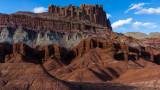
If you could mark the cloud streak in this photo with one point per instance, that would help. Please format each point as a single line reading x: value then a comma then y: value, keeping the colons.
x: 135, y: 6
x: 149, y: 11
x: 40, y: 9
x: 137, y: 25
x: 109, y: 15
x: 141, y: 10
x: 120, y: 23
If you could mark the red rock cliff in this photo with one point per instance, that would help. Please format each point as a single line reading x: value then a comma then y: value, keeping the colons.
x: 94, y: 13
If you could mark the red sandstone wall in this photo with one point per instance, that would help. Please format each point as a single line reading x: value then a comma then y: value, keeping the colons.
x: 94, y: 13
x: 39, y: 24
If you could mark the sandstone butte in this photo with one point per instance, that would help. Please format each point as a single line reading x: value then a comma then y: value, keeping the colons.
x: 73, y: 48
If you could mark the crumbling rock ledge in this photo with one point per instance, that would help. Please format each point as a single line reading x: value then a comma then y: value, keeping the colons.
x: 118, y: 50
x: 94, y: 14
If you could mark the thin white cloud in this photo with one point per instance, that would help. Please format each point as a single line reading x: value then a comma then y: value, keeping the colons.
x: 149, y: 11
x: 109, y: 15
x: 135, y: 6
x: 142, y: 10
x: 120, y: 23
x: 40, y: 9
x: 137, y: 25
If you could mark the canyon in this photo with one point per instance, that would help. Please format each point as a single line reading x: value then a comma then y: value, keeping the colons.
x: 70, y: 48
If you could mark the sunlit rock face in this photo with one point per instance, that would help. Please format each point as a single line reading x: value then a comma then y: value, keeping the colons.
x: 68, y: 40
x: 6, y: 35
x: 42, y: 38
x: 72, y: 39
x: 20, y: 35
x: 48, y: 37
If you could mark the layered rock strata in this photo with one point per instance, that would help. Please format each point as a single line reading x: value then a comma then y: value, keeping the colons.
x: 56, y: 19
x: 117, y: 50
x: 53, y: 27
x: 94, y: 13
x: 43, y: 38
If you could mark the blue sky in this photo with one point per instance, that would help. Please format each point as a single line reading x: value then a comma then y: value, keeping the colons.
x: 126, y: 15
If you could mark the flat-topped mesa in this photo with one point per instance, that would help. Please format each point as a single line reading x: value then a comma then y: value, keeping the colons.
x: 94, y: 14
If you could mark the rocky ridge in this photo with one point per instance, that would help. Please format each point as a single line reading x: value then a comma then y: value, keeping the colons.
x: 70, y: 48
x: 151, y: 39
x: 94, y: 13
x: 54, y: 26
x: 142, y: 36
x: 33, y: 39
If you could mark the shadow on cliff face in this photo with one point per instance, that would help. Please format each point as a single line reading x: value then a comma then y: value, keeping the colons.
x: 157, y: 59
x: 71, y: 56
x: 19, y: 52
x: 117, y: 50
x: 103, y: 76
x: 57, y: 54
x: 5, y: 49
x: 119, y: 56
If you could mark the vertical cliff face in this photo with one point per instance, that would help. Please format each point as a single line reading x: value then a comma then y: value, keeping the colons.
x: 62, y: 19
x: 42, y: 38
x: 63, y: 26
x: 115, y: 49
x: 6, y: 35
x: 11, y: 36
x: 94, y: 14
x: 48, y: 21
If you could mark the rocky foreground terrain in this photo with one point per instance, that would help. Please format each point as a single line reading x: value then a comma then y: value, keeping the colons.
x: 73, y: 48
